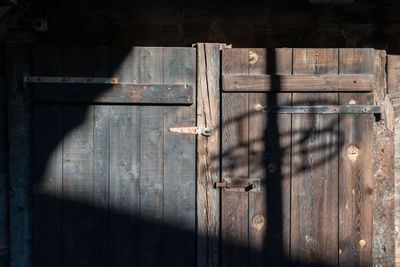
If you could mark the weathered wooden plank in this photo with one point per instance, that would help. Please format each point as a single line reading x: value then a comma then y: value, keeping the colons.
x: 20, y: 137
x: 77, y: 217
x: 355, y: 167
x: 77, y: 186
x: 385, y: 237
x: 208, y: 115
x: 4, y: 195
x: 328, y: 109
x: 297, y: 83
x: 179, y: 165
x: 393, y: 83
x: 101, y: 170
x: 47, y: 169
x: 114, y: 93
x: 393, y: 75
x: 125, y: 147
x: 314, y: 209
x: 150, y: 65
x: 269, y: 159
x: 234, y: 221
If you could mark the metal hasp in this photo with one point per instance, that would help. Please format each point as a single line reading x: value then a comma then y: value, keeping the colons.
x: 240, y: 184
x: 345, y: 109
x: 192, y: 130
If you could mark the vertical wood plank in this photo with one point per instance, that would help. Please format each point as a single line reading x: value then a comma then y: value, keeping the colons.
x: 269, y: 159
x: 393, y: 82
x: 208, y: 115
x: 47, y: 167
x: 355, y: 166
x: 125, y: 128
x: 179, y: 165
x: 20, y: 137
x: 4, y: 195
x: 314, y: 215
x: 234, y: 224
x: 101, y: 158
x: 152, y: 161
x: 77, y: 169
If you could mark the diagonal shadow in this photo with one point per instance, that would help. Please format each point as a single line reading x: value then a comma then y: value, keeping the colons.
x: 165, y: 239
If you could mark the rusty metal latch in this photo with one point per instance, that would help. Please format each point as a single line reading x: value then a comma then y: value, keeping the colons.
x: 192, y: 130
x: 240, y: 184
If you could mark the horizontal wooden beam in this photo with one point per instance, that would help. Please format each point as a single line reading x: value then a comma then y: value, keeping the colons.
x: 162, y: 94
x: 345, y: 109
x: 297, y: 83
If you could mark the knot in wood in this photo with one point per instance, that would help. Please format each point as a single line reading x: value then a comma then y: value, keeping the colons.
x: 352, y: 153
x: 258, y: 221
x: 253, y: 57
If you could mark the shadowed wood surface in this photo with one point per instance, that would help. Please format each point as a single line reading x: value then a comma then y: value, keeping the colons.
x: 113, y: 186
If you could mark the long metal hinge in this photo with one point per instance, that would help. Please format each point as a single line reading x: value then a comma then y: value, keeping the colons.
x: 192, y: 130
x: 240, y: 184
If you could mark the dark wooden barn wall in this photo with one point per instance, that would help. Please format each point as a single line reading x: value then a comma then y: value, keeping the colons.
x: 20, y: 176
x: 111, y: 184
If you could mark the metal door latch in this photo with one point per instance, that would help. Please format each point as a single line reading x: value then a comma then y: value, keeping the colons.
x: 192, y: 130
x: 240, y: 184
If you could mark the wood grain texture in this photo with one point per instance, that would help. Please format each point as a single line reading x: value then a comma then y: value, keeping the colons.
x: 234, y: 221
x: 124, y: 163
x: 355, y: 173
x: 208, y: 153
x: 296, y: 83
x: 393, y: 75
x: 101, y: 168
x: 150, y: 65
x: 20, y: 139
x: 47, y: 170
x: 77, y: 191
x: 179, y: 165
x: 147, y: 93
x: 314, y: 215
x: 269, y: 159
x: 385, y: 238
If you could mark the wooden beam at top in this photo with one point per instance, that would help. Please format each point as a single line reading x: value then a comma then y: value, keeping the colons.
x: 297, y: 83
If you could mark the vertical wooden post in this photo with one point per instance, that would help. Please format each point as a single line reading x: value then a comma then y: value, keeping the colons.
x: 19, y: 122
x: 383, y: 227
x: 4, y: 227
x: 393, y: 76
x: 208, y: 115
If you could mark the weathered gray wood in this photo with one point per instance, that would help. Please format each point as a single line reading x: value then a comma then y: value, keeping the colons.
x: 314, y: 209
x: 101, y: 168
x: 125, y: 163
x: 328, y: 109
x: 385, y: 237
x: 269, y: 159
x: 20, y: 137
x: 150, y: 67
x: 114, y: 93
x: 77, y: 217
x: 208, y: 115
x: 4, y: 205
x: 355, y: 167
x: 47, y: 169
x: 179, y: 165
x: 234, y: 221
x: 393, y: 83
x: 297, y: 83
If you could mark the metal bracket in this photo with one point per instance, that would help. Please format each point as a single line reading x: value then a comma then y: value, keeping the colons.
x: 192, y: 130
x: 345, y: 109
x: 240, y: 184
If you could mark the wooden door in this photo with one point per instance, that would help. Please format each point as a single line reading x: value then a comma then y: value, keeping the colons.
x: 112, y: 186
x: 313, y: 204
